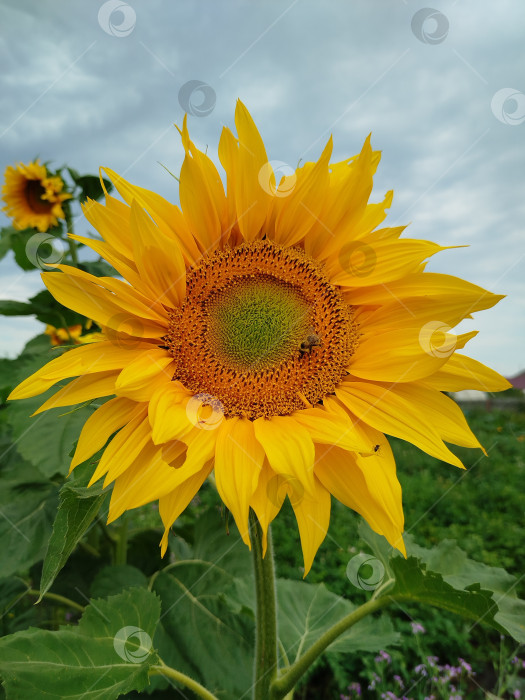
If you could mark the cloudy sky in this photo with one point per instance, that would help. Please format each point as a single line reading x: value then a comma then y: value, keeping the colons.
x: 92, y: 83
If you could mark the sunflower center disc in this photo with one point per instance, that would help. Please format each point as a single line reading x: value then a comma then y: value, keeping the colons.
x: 257, y: 322
x: 262, y: 330
x: 34, y: 192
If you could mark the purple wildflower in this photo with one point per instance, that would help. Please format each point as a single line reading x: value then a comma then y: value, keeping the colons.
x: 417, y: 628
x: 399, y: 681
x: 465, y: 665
x: 383, y: 656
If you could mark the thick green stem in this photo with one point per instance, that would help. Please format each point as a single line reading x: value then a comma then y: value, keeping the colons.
x: 57, y: 599
x: 283, y: 685
x: 121, y: 553
x: 266, y: 630
x: 186, y: 681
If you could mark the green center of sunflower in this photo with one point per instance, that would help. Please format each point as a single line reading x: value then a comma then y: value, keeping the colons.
x: 34, y: 194
x: 258, y: 322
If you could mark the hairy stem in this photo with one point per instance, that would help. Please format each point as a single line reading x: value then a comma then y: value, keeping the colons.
x: 266, y: 628
x: 283, y: 685
x: 168, y: 672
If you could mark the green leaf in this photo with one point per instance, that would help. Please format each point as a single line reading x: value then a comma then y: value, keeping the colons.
x: 5, y: 241
x: 28, y: 504
x: 98, y: 268
x: 204, y: 629
x: 446, y: 578
x: 15, y: 308
x: 414, y: 583
x: 46, y: 309
x: 108, y: 654
x: 78, y: 507
x: 113, y: 579
x: 306, y: 611
x: 200, y: 635
x: 90, y: 185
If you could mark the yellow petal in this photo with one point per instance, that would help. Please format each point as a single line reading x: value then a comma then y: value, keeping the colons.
x: 268, y: 498
x: 403, y: 355
x: 389, y: 412
x: 338, y: 472
x: 327, y: 428
x: 88, y: 359
x: 298, y: 212
x: 363, y: 264
x: 101, y: 425
x: 313, y: 518
x: 201, y: 449
x: 172, y: 505
x: 427, y: 285
x: 123, y: 449
x: 202, y: 195
x: 167, y: 413
x: 238, y: 462
x: 89, y: 299
x: 158, y: 258
x: 112, y: 222
x: 91, y: 386
x: 461, y: 372
x: 142, y: 376
x: 146, y: 480
x: 245, y: 162
x: 289, y: 449
x: 167, y: 216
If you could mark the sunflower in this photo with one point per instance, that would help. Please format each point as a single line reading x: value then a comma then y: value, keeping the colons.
x: 72, y: 335
x: 273, y: 334
x: 33, y: 198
